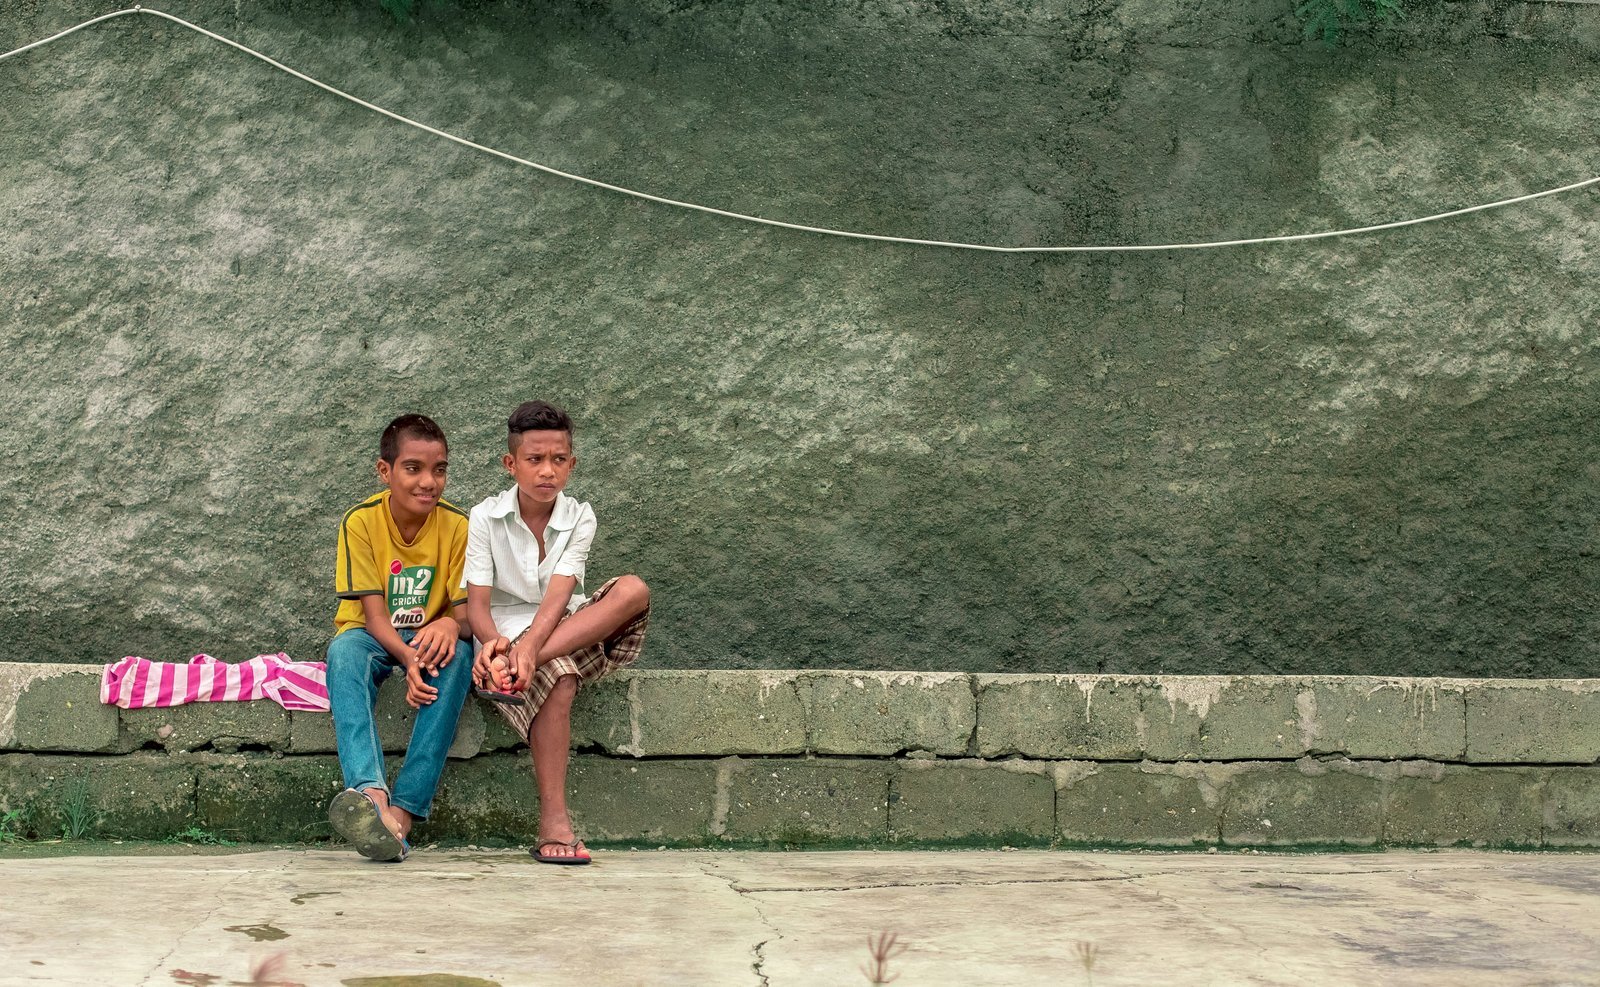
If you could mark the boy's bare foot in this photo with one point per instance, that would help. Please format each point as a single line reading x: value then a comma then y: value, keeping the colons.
x: 396, y: 819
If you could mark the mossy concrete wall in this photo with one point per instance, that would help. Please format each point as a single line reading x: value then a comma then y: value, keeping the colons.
x: 1369, y: 455
x: 849, y: 758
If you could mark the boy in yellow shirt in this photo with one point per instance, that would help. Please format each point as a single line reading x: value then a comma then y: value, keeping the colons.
x: 400, y: 560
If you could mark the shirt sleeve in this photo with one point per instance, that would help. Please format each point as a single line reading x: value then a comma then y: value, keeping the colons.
x: 458, y: 561
x: 576, y: 555
x: 356, y: 569
x: 479, y: 567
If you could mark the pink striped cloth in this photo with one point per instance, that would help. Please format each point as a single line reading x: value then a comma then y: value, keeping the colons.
x: 133, y: 683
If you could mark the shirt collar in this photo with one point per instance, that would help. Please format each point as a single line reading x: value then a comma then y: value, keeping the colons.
x: 563, y: 518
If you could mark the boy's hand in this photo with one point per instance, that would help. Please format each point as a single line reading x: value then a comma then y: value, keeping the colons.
x: 482, y: 672
x: 436, y: 644
x: 521, y: 662
x: 418, y: 692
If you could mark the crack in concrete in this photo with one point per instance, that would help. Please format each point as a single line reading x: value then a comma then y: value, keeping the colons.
x: 758, y: 951
x: 208, y: 916
x: 942, y: 884
x: 1444, y: 889
x: 1073, y: 880
x: 761, y: 960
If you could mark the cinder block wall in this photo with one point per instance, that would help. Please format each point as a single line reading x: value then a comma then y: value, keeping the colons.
x: 847, y: 758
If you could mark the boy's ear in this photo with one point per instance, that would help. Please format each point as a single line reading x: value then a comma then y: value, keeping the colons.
x: 383, y: 470
x: 507, y: 460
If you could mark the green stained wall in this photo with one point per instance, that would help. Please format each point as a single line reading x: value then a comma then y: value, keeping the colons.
x: 1367, y: 455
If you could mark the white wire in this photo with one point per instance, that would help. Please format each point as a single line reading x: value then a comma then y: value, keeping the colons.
x: 1129, y: 248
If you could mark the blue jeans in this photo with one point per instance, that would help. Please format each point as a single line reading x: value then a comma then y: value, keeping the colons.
x: 357, y: 664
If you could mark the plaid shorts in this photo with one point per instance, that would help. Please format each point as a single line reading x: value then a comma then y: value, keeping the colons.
x: 589, y: 664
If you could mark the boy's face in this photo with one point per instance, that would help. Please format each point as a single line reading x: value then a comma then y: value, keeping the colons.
x: 541, y: 464
x: 416, y: 477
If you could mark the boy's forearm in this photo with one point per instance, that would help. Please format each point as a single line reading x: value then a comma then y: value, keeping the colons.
x: 387, y: 636
x: 463, y: 621
x: 481, y: 621
x: 551, y: 609
x: 382, y: 631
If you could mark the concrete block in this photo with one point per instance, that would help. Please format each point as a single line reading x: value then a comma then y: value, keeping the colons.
x: 1456, y: 805
x: 601, y: 715
x: 720, y: 712
x: 1365, y: 717
x: 225, y: 727
x: 137, y: 796
x: 807, y: 802
x: 1172, y: 711
x: 54, y: 707
x: 264, y: 799
x: 1145, y: 804
x: 1572, y: 807
x: 1533, y: 721
x: 1308, y: 803
x: 1253, y: 717
x: 488, y: 799
x: 885, y: 713
x: 492, y: 798
x: 470, y: 730
x: 498, y: 734
x: 645, y: 801
x: 972, y: 801
x: 1060, y: 716
x: 311, y: 733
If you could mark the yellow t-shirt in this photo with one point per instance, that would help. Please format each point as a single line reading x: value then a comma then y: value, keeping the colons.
x: 421, y: 579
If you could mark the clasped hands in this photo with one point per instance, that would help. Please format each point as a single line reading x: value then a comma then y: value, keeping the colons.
x: 505, y: 666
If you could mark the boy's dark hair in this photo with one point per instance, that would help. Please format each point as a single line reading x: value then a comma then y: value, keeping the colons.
x: 536, y: 416
x: 409, y: 427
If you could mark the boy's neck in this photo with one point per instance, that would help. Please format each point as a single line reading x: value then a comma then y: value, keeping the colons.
x: 534, y: 514
x: 408, y: 526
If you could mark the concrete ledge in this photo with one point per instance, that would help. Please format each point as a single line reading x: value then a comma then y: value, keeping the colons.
x: 843, y: 758
x: 55, y: 707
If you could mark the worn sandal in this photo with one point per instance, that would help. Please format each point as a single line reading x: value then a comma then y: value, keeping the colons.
x: 357, y: 818
x: 573, y: 861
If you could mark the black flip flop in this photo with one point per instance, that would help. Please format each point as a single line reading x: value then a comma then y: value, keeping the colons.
x: 356, y: 818
x: 503, y: 698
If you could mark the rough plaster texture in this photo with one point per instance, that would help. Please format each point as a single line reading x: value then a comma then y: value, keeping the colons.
x: 1366, y: 456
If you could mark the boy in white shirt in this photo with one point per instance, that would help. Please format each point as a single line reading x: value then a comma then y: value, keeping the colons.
x: 538, y: 636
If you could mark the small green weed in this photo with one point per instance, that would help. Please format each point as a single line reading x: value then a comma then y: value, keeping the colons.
x: 13, y: 828
x: 195, y: 836
x: 78, y: 816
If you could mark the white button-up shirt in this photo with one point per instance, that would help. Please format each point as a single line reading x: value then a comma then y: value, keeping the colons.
x: 503, y: 555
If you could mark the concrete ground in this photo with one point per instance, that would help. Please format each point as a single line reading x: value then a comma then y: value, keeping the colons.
x: 471, y: 917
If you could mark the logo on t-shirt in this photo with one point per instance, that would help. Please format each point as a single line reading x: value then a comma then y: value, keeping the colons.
x: 408, y: 594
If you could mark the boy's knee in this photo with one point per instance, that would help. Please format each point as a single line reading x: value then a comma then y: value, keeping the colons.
x: 564, y: 690
x: 635, y: 589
